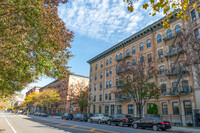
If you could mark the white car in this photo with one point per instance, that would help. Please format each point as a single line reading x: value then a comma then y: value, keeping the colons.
x: 99, y: 118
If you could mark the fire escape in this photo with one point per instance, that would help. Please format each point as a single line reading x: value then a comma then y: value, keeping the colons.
x: 119, y: 70
x: 177, y: 69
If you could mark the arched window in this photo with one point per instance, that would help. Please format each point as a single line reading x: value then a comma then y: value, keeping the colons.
x: 127, y: 52
x: 120, y: 55
x: 159, y: 38
x: 116, y: 57
x: 148, y: 43
x: 110, y: 60
x: 133, y: 50
x: 178, y: 28
x: 169, y: 33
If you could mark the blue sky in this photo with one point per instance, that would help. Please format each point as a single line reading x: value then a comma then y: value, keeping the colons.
x: 98, y: 25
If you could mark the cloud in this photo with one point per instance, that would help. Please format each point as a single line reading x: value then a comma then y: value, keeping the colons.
x: 107, y: 20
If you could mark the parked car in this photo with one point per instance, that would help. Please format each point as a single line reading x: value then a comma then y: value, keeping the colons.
x: 43, y: 115
x: 67, y: 116
x: 120, y: 120
x: 99, y: 118
x: 80, y: 117
x: 154, y: 123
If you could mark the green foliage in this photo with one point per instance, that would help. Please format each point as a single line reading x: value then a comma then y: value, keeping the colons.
x: 153, y: 109
x: 33, y: 42
x: 166, y: 7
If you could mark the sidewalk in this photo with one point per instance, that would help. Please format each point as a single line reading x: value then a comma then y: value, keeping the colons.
x: 55, y: 117
x: 185, y: 129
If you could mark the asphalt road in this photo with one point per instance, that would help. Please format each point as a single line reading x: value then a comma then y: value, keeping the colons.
x: 22, y: 124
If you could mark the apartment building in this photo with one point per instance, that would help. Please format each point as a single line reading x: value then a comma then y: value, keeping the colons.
x: 65, y: 87
x: 159, y: 45
x: 34, y: 89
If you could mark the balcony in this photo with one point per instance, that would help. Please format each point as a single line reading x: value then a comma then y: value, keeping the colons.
x: 124, y: 57
x: 174, y: 53
x: 181, y: 91
x: 166, y: 38
x: 176, y: 71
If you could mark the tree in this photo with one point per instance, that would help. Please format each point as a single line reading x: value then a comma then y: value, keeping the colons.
x: 33, y: 42
x: 31, y: 99
x: 48, y: 98
x: 153, y: 109
x: 79, y: 95
x: 135, y: 83
x: 167, y: 7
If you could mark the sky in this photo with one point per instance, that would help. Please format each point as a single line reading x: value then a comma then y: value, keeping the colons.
x: 97, y: 26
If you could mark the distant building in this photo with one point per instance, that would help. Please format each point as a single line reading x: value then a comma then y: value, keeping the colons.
x: 64, y: 88
x: 34, y: 89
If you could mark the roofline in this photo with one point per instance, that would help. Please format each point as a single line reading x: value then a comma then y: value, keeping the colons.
x: 138, y: 35
x: 80, y: 76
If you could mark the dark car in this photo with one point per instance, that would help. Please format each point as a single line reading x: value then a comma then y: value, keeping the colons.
x: 154, y: 123
x: 120, y: 120
x: 43, y: 115
x: 67, y: 116
x: 80, y: 117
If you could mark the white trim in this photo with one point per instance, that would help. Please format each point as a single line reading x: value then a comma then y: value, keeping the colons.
x: 174, y: 101
x: 148, y: 53
x: 180, y: 24
x: 159, y: 48
x: 163, y: 83
x: 163, y: 64
x: 158, y: 33
x: 168, y: 29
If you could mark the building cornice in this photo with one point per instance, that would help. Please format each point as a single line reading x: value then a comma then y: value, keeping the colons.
x: 137, y: 36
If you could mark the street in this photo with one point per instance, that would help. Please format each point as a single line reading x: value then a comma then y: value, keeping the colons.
x: 22, y: 124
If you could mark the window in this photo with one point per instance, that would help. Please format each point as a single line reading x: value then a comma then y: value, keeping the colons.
x: 185, y: 86
x: 100, y: 97
x: 148, y: 106
x: 128, y: 65
x: 111, y: 71
x: 116, y: 57
x: 175, y: 88
x: 110, y: 60
x: 130, y: 109
x: 142, y: 60
x: 109, y: 96
x: 99, y: 109
x: 159, y: 38
x: 141, y: 46
x: 110, y: 83
x: 101, y: 64
x: 177, y: 28
x: 91, y: 69
x: 119, y: 109
x: 90, y: 88
x: 94, y: 109
x: 134, y: 62
x: 95, y: 76
x: 101, y: 85
x: 120, y: 55
x: 94, y: 98
x: 175, y: 108
x: 106, y: 96
x: 150, y: 74
x: 188, y: 107
x: 169, y: 34
x: 163, y: 89
x: 106, y: 109
x: 112, y: 109
x: 160, y: 53
x: 127, y: 52
x: 96, y: 67
x: 107, y: 73
x: 149, y: 57
x: 133, y: 50
x: 148, y: 43
x: 196, y: 33
x: 91, y: 79
x: 164, y: 109
x: 107, y: 62
x: 106, y: 84
x: 95, y: 87
x: 101, y: 75
x: 193, y: 15
x: 162, y: 71
x: 199, y: 12
x: 117, y: 69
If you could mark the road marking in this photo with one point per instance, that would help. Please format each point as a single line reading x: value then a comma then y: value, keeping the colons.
x: 9, y: 124
x: 74, y: 126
